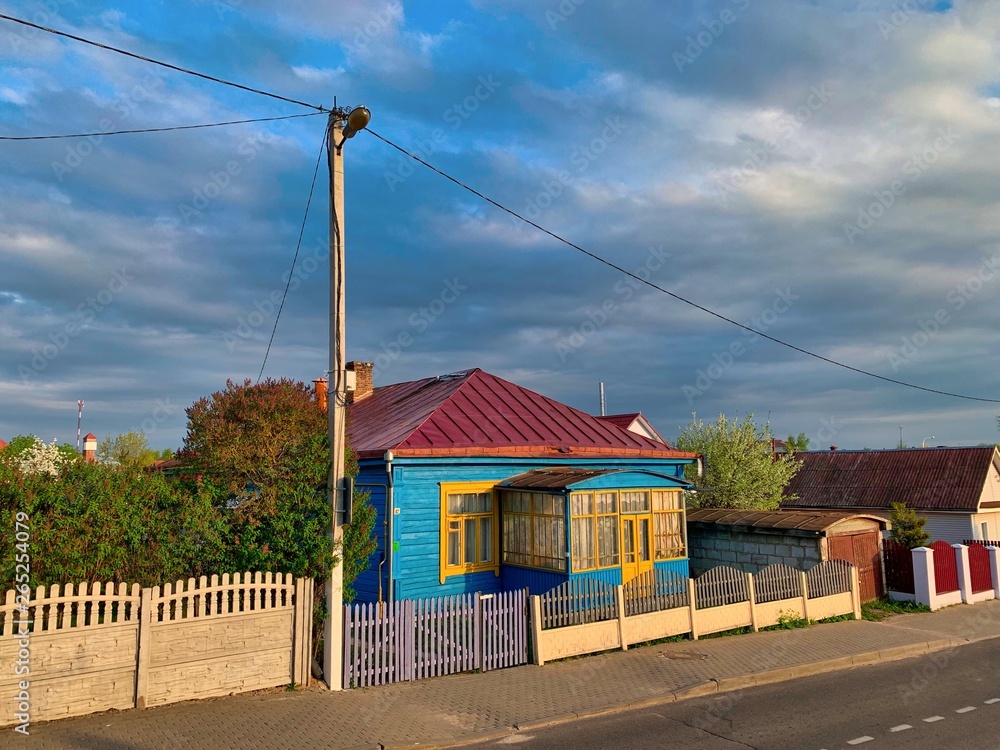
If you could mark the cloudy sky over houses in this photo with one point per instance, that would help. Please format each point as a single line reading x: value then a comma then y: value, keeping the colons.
x: 823, y: 172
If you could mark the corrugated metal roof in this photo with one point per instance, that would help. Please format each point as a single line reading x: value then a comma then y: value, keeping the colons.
x: 620, y: 420
x: 943, y: 479
x: 556, y: 478
x: 475, y: 413
x: 775, y: 519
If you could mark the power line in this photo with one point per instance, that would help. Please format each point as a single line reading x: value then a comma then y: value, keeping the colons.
x: 151, y: 130
x: 295, y: 257
x: 161, y: 63
x: 677, y: 297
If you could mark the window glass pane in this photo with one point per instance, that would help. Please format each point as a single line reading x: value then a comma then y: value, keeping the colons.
x: 666, y: 500
x: 584, y: 551
x: 669, y: 535
x: 635, y: 502
x: 607, y: 502
x: 454, y: 504
x: 454, y: 546
x: 470, y: 541
x: 582, y: 504
x: 607, y: 541
x: 559, y: 505
x: 486, y: 540
x: 644, y: 539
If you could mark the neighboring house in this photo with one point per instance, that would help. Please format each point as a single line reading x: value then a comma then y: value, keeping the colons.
x: 3, y: 444
x: 482, y: 485
x: 956, y: 489
x: 634, y: 422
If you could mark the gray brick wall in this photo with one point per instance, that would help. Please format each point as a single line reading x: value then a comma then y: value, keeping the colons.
x: 710, y: 548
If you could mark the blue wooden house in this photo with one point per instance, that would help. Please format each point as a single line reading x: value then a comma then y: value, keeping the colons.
x: 482, y: 485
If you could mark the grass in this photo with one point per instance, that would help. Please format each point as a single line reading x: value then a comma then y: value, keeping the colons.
x: 879, y: 609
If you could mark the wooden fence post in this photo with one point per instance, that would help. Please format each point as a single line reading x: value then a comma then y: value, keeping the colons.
x: 692, y: 609
x: 752, y: 593
x: 620, y: 609
x: 147, y: 602
x: 535, y: 614
x: 805, y: 596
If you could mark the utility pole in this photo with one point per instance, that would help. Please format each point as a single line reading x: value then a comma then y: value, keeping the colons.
x: 333, y: 631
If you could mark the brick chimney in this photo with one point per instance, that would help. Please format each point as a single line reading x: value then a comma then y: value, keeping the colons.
x: 90, y: 448
x: 362, y: 380
x: 319, y: 388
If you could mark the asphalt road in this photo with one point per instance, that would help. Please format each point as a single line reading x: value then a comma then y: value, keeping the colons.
x: 944, y: 701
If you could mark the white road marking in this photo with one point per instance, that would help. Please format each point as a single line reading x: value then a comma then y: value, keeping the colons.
x: 965, y: 710
x: 991, y: 701
x: 859, y: 740
x: 901, y: 728
x: 931, y: 719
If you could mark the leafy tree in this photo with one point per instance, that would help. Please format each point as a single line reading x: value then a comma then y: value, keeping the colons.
x: 128, y: 449
x: 908, y: 527
x: 740, y: 470
x: 21, y: 443
x: 797, y: 443
x: 31, y: 455
x: 95, y: 522
x: 262, y: 451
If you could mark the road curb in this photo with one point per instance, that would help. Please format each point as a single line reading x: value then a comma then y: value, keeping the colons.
x: 702, y: 689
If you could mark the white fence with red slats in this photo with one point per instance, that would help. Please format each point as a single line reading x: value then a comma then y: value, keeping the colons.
x: 415, y: 639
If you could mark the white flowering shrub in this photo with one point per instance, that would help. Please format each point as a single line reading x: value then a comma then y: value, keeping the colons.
x: 40, y: 459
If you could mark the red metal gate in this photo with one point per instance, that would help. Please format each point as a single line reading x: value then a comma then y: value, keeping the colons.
x: 979, y: 568
x: 945, y: 567
x: 862, y: 551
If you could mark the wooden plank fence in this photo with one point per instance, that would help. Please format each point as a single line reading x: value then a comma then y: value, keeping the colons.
x: 577, y: 602
x: 415, y: 639
x: 898, y: 567
x: 658, y: 605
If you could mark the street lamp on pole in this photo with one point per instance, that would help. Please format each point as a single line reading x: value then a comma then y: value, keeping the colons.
x: 923, y: 443
x: 343, y: 123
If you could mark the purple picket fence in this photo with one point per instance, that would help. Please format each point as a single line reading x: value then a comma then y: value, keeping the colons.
x: 413, y: 639
x: 945, y: 567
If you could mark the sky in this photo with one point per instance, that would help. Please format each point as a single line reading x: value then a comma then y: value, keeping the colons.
x: 823, y: 172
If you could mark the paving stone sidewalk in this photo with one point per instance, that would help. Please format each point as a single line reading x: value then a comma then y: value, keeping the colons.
x: 470, y: 706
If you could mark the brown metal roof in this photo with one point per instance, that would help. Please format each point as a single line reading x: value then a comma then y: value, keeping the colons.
x: 776, y: 519
x: 942, y: 479
x: 556, y: 478
x: 474, y: 413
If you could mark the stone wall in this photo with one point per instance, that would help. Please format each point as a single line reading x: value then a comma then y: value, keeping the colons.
x: 750, y: 551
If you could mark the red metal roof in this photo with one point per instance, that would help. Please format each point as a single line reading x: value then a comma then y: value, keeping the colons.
x: 474, y: 413
x: 620, y: 420
x: 943, y: 479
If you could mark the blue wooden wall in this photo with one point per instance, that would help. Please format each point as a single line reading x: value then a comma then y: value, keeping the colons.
x: 417, y: 526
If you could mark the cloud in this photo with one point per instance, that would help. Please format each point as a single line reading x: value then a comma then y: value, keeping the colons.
x: 740, y: 167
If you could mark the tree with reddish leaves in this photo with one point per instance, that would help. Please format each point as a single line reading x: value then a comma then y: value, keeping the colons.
x: 262, y: 450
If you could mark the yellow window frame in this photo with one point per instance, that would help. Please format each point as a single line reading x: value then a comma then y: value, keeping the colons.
x: 592, y: 519
x: 679, y: 511
x: 455, y: 488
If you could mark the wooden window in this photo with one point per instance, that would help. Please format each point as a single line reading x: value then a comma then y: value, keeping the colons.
x: 668, y: 525
x: 468, y: 529
x: 595, y: 530
x: 534, y: 530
